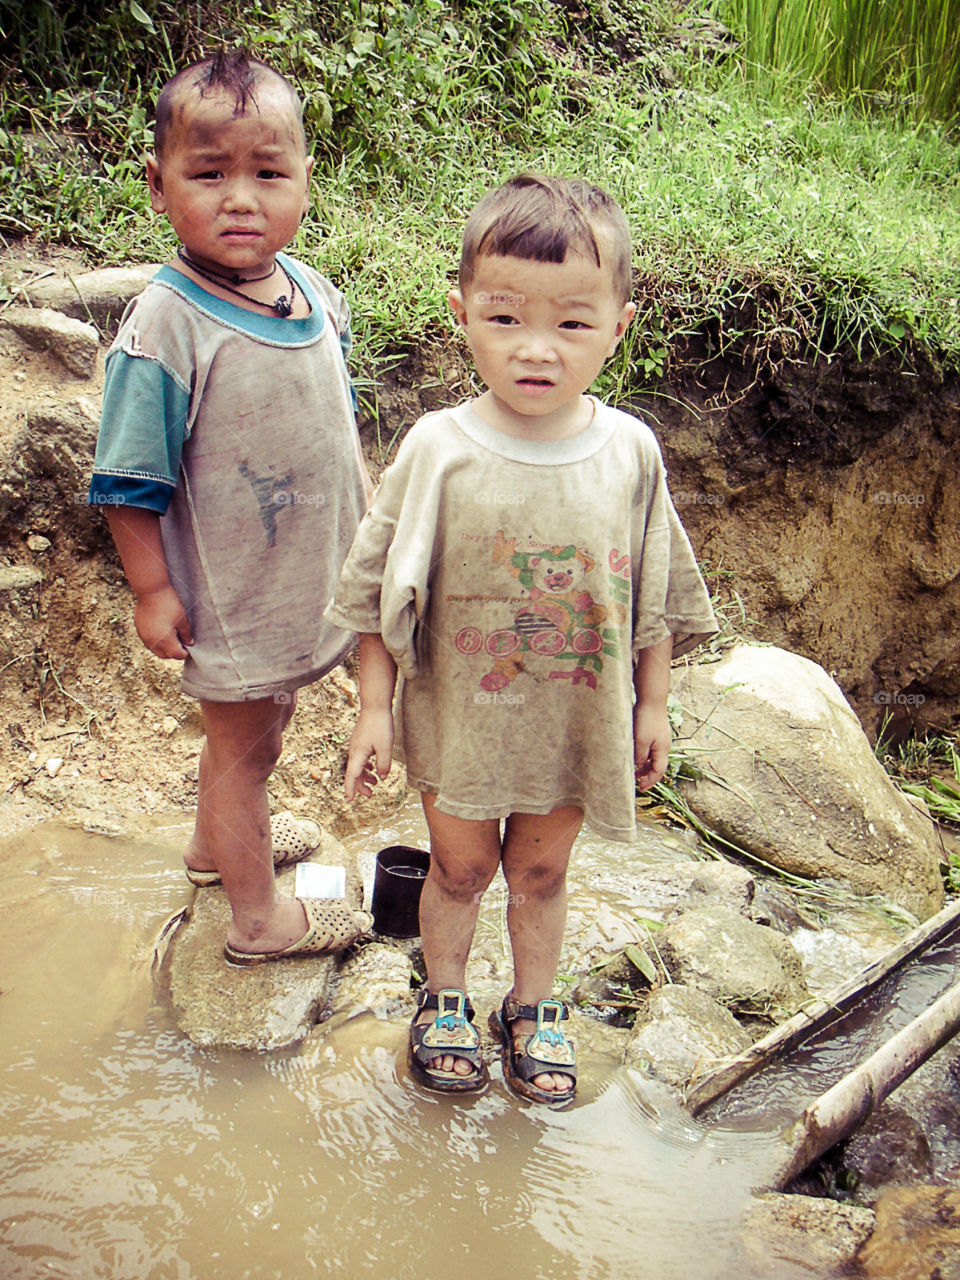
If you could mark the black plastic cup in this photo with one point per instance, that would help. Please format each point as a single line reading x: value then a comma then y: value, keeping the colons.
x: 397, y: 885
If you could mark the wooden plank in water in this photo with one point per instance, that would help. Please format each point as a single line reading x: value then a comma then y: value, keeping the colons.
x: 836, y: 1113
x: 818, y: 1013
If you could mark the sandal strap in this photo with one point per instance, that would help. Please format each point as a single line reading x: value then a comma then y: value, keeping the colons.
x: 431, y: 1000
x: 512, y: 1009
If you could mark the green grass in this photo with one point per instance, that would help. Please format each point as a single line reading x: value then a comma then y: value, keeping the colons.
x: 897, y: 56
x: 928, y: 767
x: 775, y: 229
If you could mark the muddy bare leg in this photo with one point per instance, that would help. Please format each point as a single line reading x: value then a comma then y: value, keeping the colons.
x: 243, y: 744
x: 464, y: 856
x: 536, y: 853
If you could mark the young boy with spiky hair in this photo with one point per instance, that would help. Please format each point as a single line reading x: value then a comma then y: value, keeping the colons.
x: 230, y: 469
x: 524, y: 568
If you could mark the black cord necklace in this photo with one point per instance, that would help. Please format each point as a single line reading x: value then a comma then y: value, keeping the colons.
x: 282, y: 306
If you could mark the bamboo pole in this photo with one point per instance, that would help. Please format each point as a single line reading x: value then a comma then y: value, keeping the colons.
x: 836, y: 1113
x: 818, y: 1013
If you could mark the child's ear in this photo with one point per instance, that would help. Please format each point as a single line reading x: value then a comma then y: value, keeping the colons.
x: 155, y: 184
x: 626, y: 315
x: 308, y: 165
x: 455, y: 299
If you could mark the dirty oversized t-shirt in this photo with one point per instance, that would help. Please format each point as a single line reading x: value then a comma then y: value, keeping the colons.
x: 514, y: 581
x: 238, y: 430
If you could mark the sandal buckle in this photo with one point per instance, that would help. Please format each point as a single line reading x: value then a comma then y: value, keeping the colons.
x: 451, y: 1010
x: 550, y: 1013
x: 451, y: 1028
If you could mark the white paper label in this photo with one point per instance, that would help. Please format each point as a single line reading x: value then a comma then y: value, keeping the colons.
x: 315, y: 881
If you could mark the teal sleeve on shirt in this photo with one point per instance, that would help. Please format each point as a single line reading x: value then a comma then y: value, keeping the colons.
x: 346, y: 346
x: 143, y: 425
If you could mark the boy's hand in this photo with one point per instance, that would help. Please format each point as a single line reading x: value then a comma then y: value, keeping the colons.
x: 370, y: 752
x: 162, y: 623
x: 651, y: 744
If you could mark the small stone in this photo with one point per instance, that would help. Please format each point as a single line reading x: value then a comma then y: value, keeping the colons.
x: 88, y: 408
x: 73, y: 342
x: 19, y: 577
x: 54, y: 765
x: 169, y: 725
x: 37, y: 542
x: 317, y: 772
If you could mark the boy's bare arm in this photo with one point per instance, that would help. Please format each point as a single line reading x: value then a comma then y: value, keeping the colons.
x: 651, y: 725
x: 159, y: 616
x: 371, y: 743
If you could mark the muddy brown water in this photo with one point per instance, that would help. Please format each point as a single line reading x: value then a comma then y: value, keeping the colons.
x: 128, y: 1152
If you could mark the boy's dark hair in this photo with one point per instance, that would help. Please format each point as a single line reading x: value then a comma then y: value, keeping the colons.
x: 232, y: 70
x: 540, y: 218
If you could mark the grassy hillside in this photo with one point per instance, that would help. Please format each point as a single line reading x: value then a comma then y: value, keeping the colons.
x: 801, y: 221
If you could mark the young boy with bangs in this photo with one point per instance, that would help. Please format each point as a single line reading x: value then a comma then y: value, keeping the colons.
x: 230, y: 469
x: 525, y: 570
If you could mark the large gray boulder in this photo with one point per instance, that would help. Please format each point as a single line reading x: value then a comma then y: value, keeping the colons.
x: 788, y: 774
x: 270, y: 1006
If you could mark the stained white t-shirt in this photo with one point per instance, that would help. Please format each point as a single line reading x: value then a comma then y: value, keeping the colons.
x: 514, y: 582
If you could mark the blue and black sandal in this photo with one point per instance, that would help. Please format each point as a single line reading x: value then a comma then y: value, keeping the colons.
x: 451, y: 1032
x: 546, y: 1050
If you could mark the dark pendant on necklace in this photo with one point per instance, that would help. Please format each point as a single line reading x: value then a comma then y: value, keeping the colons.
x: 282, y: 307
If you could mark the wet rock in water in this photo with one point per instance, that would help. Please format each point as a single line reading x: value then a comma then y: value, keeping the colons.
x: 269, y: 1006
x: 890, y: 1148
x: 750, y: 967
x: 377, y: 978
x: 917, y: 1236
x: 681, y: 1032
x: 667, y: 890
x: 800, y: 785
x: 599, y: 933
x: 72, y: 341
x: 822, y: 1235
x: 915, y: 1133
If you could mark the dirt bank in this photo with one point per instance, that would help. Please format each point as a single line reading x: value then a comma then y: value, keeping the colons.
x: 826, y: 496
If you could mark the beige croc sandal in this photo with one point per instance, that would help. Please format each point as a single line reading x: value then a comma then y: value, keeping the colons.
x: 331, y: 926
x: 292, y: 840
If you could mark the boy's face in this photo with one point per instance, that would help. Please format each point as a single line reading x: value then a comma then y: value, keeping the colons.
x: 540, y: 333
x: 234, y: 187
